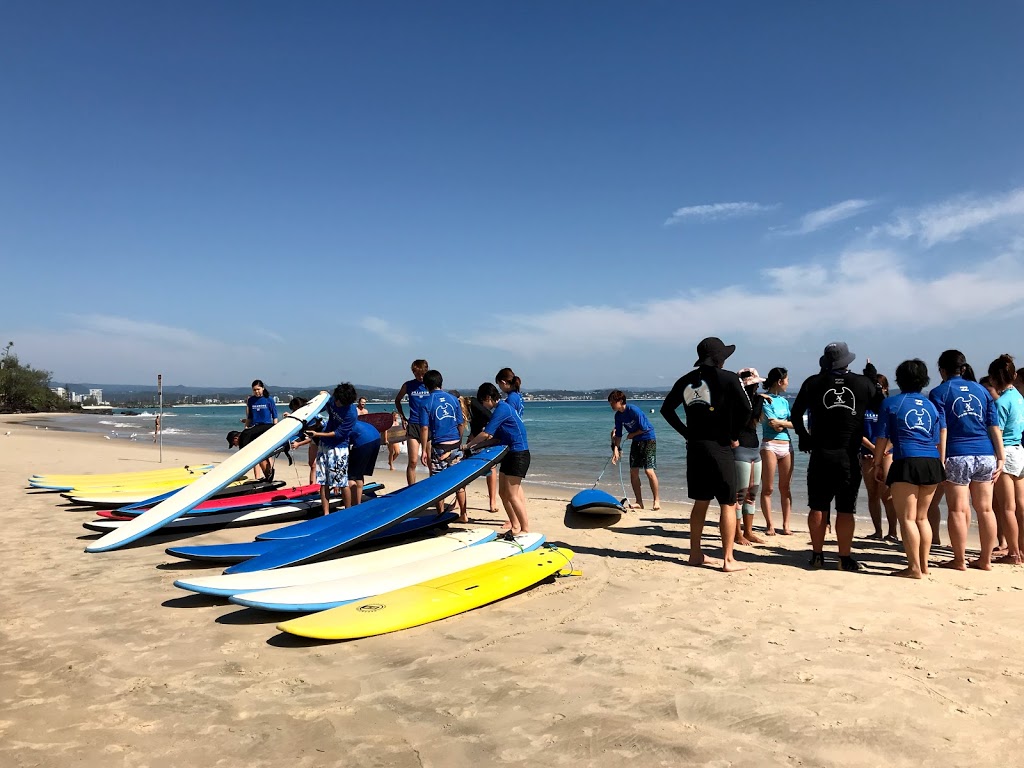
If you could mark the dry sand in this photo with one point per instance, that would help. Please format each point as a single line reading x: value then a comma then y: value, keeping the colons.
x: 640, y: 661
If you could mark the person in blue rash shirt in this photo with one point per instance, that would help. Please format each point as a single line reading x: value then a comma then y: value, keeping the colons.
x: 333, y: 445
x: 1009, y: 490
x: 260, y: 415
x: 417, y: 392
x: 441, y: 435
x: 974, y: 458
x: 506, y: 428
x: 363, y: 448
x: 879, y: 496
x: 510, y: 384
x: 643, y: 453
x: 916, y: 429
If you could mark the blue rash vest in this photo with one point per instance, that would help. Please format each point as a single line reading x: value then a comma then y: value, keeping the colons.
x: 261, y: 410
x: 507, y: 426
x: 363, y: 433
x: 632, y: 419
x: 912, y: 424
x: 1010, y: 406
x: 775, y: 408
x: 516, y: 401
x: 444, y: 415
x: 969, y: 410
x: 417, y: 392
x: 342, y: 422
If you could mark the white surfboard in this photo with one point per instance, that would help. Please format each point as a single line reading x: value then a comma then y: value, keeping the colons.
x: 228, y: 584
x: 232, y: 519
x: 324, y: 595
x: 213, y: 481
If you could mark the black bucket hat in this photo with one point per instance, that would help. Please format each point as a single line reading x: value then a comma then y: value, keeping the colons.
x: 712, y: 351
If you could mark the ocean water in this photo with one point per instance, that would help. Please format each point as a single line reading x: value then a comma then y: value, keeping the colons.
x: 569, y: 443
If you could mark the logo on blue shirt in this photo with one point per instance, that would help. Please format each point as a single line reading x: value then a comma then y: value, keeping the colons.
x: 919, y: 418
x: 968, y: 406
x: 444, y: 411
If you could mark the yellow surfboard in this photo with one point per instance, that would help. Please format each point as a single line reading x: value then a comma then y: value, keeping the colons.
x: 117, y: 478
x: 432, y: 600
x: 118, y: 497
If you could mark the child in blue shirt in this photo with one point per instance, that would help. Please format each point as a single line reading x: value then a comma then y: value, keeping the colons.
x: 643, y: 453
x: 441, y: 434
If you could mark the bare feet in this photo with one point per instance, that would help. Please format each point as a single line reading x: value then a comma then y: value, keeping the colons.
x: 954, y: 565
x: 875, y: 535
x: 656, y: 506
x: 787, y: 532
x: 704, y: 560
x: 906, y: 573
x: 742, y: 540
x: 1013, y: 559
x: 731, y: 566
x: 753, y: 538
x: 980, y: 565
x: 463, y: 518
x: 769, y: 531
x: 505, y: 527
x: 892, y: 538
x: 637, y: 505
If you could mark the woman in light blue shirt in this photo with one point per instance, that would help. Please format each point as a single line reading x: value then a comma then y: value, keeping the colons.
x: 1009, y: 490
x: 776, y: 449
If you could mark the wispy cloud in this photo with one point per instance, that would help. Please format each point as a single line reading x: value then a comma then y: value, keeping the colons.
x: 384, y: 330
x: 824, y: 217
x: 713, y: 211
x: 124, y: 328
x: 818, y: 298
x: 953, y: 219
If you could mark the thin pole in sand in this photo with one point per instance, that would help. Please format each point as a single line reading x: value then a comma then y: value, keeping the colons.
x: 160, y: 414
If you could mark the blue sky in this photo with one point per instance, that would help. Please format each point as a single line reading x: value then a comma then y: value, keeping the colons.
x: 579, y: 190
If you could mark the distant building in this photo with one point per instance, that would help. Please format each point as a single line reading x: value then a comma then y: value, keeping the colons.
x: 60, y: 392
x: 97, y: 395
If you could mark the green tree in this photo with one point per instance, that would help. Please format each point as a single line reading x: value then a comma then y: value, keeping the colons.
x: 24, y: 388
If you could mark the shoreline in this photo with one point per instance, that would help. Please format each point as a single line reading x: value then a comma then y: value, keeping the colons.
x: 106, y: 663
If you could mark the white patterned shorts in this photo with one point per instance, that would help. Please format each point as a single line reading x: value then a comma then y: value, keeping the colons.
x: 332, y: 466
x: 964, y: 470
x: 1014, y: 465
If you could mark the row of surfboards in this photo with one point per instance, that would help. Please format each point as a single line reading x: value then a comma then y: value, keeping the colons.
x: 351, y: 596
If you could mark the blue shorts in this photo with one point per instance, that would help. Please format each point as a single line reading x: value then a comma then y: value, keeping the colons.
x: 332, y: 467
x: 444, y: 456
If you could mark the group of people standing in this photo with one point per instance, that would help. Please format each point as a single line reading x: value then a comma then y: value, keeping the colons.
x: 961, y: 440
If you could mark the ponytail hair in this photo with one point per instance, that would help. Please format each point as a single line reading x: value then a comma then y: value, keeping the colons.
x: 259, y: 382
x: 967, y: 374
x: 1002, y: 372
x: 775, y: 375
x: 953, y: 362
x: 508, y: 376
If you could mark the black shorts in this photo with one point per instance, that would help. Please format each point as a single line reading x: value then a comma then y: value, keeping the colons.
x: 412, y: 432
x: 515, y: 464
x: 833, y: 474
x: 643, y: 454
x: 251, y: 433
x: 916, y: 471
x: 710, y: 471
x: 362, y: 459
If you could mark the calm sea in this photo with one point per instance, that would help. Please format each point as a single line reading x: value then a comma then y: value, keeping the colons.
x: 569, y: 442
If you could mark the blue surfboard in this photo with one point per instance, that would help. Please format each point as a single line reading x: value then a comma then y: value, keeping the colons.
x: 363, y: 521
x: 236, y: 553
x: 595, y: 502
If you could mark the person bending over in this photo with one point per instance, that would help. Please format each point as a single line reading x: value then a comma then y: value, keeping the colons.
x: 643, y: 451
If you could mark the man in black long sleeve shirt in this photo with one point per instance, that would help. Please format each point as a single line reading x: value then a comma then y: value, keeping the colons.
x: 716, y: 408
x: 835, y: 400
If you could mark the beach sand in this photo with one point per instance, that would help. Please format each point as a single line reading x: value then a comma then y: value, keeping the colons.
x: 639, y: 661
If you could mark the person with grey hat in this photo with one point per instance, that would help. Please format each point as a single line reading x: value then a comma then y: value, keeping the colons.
x: 716, y: 409
x: 834, y: 400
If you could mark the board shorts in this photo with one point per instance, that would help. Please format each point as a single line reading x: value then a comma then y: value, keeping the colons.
x: 964, y: 470
x: 515, y: 464
x: 1014, y: 464
x: 412, y: 432
x: 833, y: 474
x: 916, y: 470
x: 444, y: 455
x: 362, y: 459
x: 332, y: 467
x: 643, y: 454
x: 710, y: 472
x: 781, y: 448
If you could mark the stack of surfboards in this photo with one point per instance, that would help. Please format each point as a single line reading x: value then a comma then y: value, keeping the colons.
x: 70, y: 483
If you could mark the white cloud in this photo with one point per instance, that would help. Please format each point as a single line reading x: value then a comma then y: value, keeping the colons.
x: 384, y: 330
x: 123, y: 328
x: 861, y: 290
x: 713, y: 211
x: 951, y: 220
x: 824, y: 217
